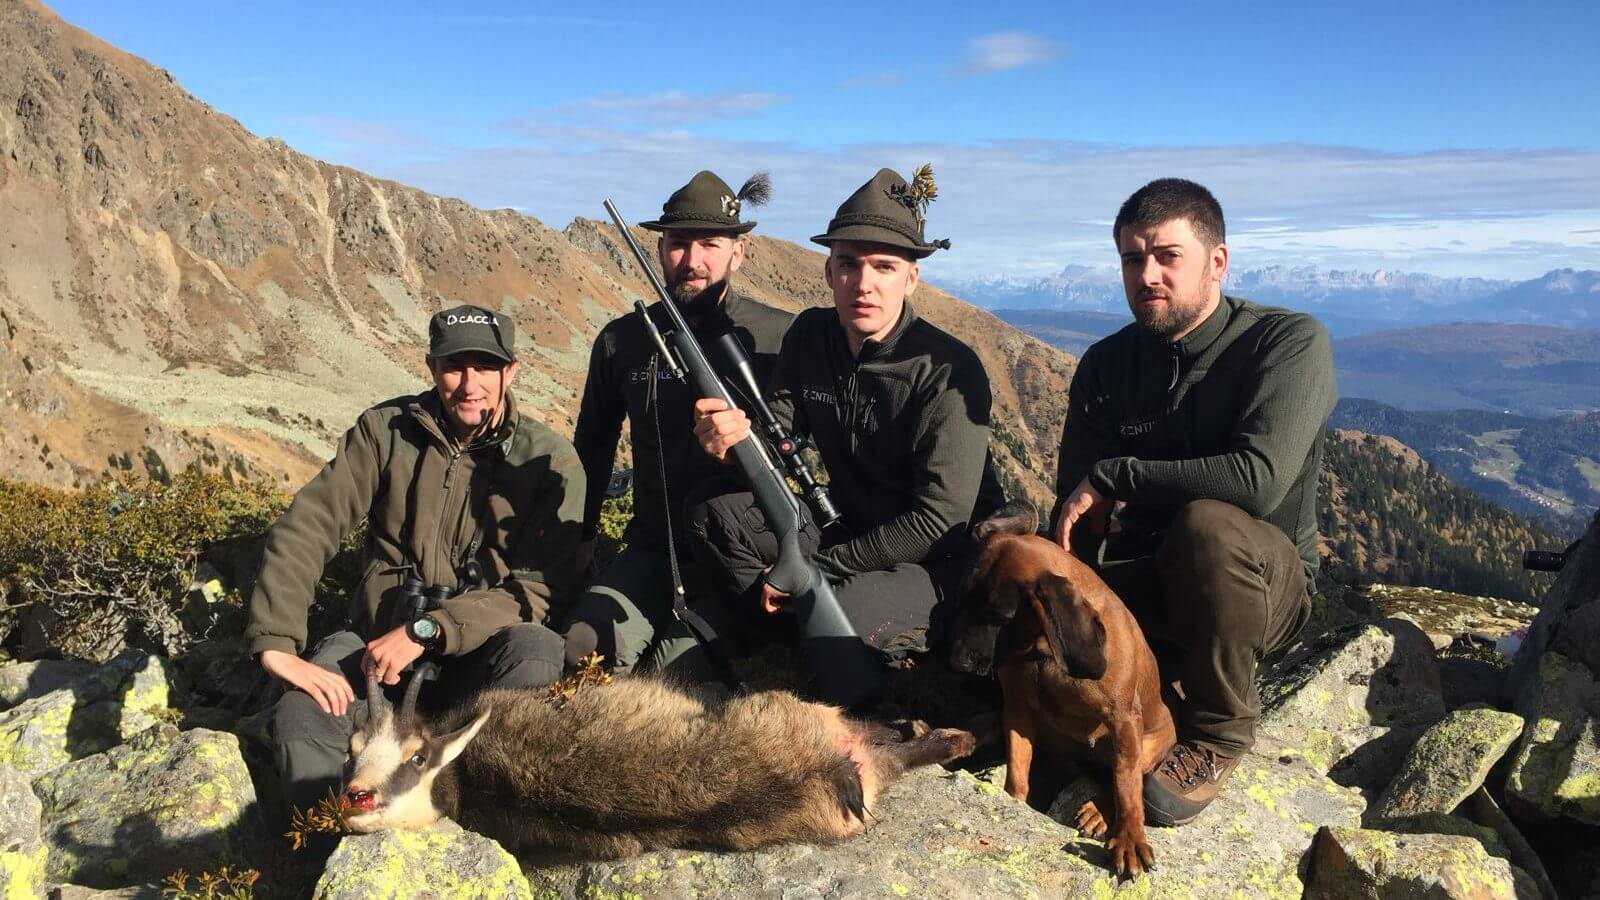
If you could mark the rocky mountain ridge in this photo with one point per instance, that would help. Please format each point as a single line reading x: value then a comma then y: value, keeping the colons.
x: 175, y: 290
x: 1349, y: 302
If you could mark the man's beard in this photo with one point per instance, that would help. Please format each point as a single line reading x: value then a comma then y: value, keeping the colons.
x: 1179, y: 314
x: 695, y: 302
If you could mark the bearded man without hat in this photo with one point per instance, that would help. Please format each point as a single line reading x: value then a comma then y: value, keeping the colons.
x: 1203, y: 419
x: 898, y: 411
x: 701, y: 246
x: 462, y: 492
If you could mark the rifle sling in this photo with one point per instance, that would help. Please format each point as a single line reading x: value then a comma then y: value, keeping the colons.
x: 696, y: 623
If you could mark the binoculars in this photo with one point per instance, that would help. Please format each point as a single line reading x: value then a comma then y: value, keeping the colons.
x: 416, y: 599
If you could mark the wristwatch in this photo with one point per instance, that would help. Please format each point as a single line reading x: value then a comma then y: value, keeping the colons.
x: 425, y: 631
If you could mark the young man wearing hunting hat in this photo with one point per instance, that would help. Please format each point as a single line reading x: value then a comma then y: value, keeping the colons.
x: 462, y: 493
x: 702, y: 245
x: 899, y: 413
x: 1203, y: 419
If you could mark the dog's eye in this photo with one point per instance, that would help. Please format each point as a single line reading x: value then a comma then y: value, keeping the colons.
x: 417, y: 759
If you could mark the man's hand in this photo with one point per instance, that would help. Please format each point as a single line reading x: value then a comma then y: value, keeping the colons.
x: 718, y: 428
x: 583, y: 561
x: 772, y: 599
x: 330, y: 689
x: 389, y: 654
x: 1083, y: 503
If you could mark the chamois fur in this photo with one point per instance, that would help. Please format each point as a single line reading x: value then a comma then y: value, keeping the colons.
x: 635, y: 765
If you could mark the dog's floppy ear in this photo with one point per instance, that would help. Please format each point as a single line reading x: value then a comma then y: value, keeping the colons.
x: 1076, y: 636
x: 1016, y: 517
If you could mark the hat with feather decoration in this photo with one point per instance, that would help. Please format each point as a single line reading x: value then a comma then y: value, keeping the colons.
x: 707, y: 203
x: 888, y: 210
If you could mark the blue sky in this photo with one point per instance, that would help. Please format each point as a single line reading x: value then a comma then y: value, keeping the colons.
x: 1453, y: 137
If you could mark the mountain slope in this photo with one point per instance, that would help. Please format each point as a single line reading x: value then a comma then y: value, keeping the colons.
x: 1385, y: 515
x: 174, y: 288
x: 1543, y: 468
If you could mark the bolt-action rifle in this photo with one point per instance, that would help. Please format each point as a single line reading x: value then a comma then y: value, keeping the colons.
x: 845, y: 668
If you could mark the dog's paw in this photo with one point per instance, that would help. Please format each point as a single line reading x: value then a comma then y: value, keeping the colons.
x: 957, y: 743
x: 1130, y: 853
x: 1090, y: 820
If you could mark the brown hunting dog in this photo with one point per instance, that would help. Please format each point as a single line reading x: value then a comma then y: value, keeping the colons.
x: 1074, y: 670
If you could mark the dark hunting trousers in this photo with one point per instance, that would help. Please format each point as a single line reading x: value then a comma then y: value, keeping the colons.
x: 730, y: 541
x: 312, y: 747
x: 1221, y: 590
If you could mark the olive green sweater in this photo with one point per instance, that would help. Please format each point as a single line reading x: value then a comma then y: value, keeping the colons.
x: 511, y: 501
x: 1233, y: 412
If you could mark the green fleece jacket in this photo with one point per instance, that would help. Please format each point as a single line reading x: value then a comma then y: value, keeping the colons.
x: 903, y: 431
x: 1233, y: 412
x: 512, y: 500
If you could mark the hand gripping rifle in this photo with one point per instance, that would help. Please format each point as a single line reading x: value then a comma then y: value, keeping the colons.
x: 846, y: 669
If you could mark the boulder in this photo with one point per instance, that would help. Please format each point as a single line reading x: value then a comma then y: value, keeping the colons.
x: 1351, y: 863
x: 1568, y: 621
x: 1252, y: 837
x: 940, y: 834
x: 1556, y: 771
x: 26, y: 680
x: 444, y: 861
x: 22, y: 851
x: 163, y: 801
x: 1352, y: 701
x: 86, y: 716
x: 1444, y: 615
x: 1448, y: 763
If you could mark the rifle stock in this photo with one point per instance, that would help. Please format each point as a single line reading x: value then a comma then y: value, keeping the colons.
x: 846, y: 670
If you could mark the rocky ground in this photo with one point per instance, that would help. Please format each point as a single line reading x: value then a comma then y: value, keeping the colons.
x: 1380, y: 771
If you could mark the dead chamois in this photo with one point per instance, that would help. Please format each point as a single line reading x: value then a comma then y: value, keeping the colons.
x: 637, y: 764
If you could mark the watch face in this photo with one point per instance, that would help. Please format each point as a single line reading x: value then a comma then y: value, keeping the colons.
x: 425, y: 628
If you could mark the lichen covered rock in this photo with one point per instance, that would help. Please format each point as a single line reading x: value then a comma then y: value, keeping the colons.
x: 940, y: 834
x: 1449, y: 762
x: 160, y: 802
x: 1556, y: 771
x: 22, y: 851
x: 26, y: 680
x: 1354, y: 700
x: 84, y: 717
x: 1251, y: 838
x: 1357, y: 863
x: 444, y: 861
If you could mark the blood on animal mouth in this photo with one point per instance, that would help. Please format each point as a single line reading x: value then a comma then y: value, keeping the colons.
x: 361, y: 801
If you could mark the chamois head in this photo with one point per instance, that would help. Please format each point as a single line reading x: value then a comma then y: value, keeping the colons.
x: 394, y: 759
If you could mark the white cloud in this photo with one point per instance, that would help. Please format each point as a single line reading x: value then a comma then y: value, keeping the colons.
x: 1006, y: 50
x: 1030, y: 207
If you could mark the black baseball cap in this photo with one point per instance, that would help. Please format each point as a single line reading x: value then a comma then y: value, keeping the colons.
x: 471, y: 329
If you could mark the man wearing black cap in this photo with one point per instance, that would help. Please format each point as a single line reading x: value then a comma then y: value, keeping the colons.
x: 702, y: 245
x: 460, y: 492
x: 899, y: 413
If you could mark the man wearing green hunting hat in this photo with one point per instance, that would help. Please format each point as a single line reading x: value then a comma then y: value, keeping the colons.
x: 701, y: 246
x: 899, y: 413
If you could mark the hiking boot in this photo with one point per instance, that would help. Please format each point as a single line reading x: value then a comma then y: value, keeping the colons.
x: 1184, y: 782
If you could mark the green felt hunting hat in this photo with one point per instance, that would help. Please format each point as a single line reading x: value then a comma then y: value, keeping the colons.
x: 887, y: 210
x: 707, y: 203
